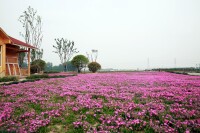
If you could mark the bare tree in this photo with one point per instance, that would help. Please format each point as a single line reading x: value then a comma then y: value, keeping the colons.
x: 32, y: 25
x: 65, y: 50
x: 95, y: 54
x: 92, y: 56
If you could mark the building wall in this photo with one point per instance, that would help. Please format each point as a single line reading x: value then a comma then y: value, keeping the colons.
x: 9, y: 55
x: 12, y: 60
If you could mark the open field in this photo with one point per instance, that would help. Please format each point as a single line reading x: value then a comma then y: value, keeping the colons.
x: 113, y: 102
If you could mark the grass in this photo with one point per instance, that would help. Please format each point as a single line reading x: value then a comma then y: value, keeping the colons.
x: 36, y: 107
x: 56, y: 120
x: 168, y: 101
x: 43, y: 130
x: 58, y: 98
x: 102, y: 97
x: 108, y: 110
x: 137, y: 109
x: 136, y: 100
x: 70, y: 119
x: 83, y: 110
x: 149, y: 130
x: 76, y: 130
x: 19, y: 111
x: 61, y: 124
x: 90, y: 118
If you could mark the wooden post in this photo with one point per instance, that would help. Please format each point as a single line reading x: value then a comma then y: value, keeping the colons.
x: 4, y: 60
x: 29, y: 65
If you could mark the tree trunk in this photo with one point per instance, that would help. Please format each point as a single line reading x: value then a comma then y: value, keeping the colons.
x: 79, y: 71
x: 64, y: 68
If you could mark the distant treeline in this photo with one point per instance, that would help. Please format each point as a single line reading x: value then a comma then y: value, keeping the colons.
x: 186, y: 70
x: 49, y: 68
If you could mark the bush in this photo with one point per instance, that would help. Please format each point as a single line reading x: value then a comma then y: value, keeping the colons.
x: 37, y: 66
x: 80, y: 61
x: 37, y: 76
x: 94, y: 66
x: 9, y: 78
x: 33, y: 77
x: 49, y: 72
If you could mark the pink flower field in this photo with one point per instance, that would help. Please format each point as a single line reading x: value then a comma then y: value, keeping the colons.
x: 103, y: 102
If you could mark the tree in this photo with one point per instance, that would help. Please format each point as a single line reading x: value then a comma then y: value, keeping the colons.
x: 80, y: 61
x: 92, y: 56
x: 37, y: 66
x: 21, y: 58
x: 94, y: 66
x: 48, y: 66
x: 65, y: 50
x: 32, y: 24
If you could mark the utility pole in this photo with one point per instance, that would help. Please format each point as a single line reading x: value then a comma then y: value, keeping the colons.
x: 148, y: 63
x: 199, y: 66
x: 175, y: 63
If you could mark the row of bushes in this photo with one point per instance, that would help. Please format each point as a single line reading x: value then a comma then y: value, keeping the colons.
x: 79, y: 61
x: 44, y: 76
x: 185, y: 70
x: 184, y: 73
x: 9, y: 78
x: 49, y: 72
x: 32, y: 78
x: 37, y: 76
x: 13, y: 78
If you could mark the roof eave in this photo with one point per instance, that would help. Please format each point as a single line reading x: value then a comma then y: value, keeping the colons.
x: 24, y: 46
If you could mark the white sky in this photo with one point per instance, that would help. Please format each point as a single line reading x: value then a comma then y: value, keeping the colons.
x: 125, y: 32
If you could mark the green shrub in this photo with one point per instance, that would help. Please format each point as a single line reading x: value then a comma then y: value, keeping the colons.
x: 94, y: 66
x: 33, y: 77
x: 37, y: 66
x: 48, y: 72
x: 9, y: 78
x: 80, y: 61
x: 37, y: 76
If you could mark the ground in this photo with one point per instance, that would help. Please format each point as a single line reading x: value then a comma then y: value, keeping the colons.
x: 113, y: 102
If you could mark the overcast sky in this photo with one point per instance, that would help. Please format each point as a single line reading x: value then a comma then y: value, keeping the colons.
x: 125, y: 32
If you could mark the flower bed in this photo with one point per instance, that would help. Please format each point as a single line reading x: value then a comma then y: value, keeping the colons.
x: 113, y: 102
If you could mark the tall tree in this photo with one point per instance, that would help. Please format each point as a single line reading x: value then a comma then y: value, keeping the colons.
x: 65, y: 50
x: 32, y: 25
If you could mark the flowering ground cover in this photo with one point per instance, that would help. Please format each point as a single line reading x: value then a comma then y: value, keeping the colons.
x: 103, y: 102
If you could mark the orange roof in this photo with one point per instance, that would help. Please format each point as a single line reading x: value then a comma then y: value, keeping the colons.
x: 20, y: 43
x: 14, y: 41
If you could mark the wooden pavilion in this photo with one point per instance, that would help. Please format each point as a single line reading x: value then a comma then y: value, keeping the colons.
x: 9, y: 54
